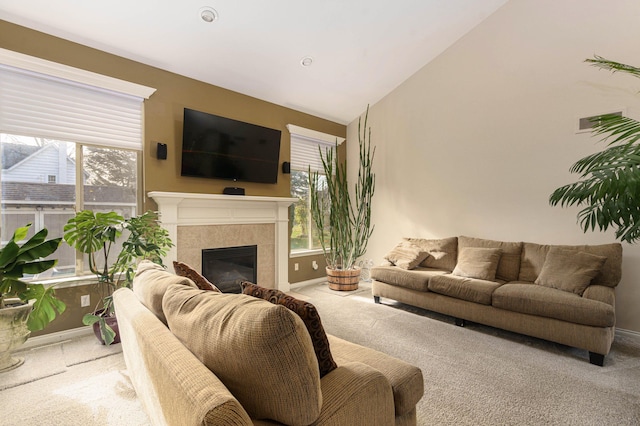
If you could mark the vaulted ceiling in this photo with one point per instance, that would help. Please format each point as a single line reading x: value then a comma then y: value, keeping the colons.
x: 360, y: 50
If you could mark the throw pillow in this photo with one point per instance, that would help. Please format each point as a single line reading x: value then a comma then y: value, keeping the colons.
x: 569, y: 270
x: 260, y: 351
x: 442, y: 252
x: 150, y: 283
x: 406, y: 255
x: 477, y: 262
x: 309, y: 315
x: 184, y: 270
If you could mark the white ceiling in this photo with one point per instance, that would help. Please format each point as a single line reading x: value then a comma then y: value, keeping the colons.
x: 361, y: 49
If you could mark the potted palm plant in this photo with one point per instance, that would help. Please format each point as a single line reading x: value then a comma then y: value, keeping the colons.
x: 25, y: 306
x: 343, y: 223
x: 609, y: 188
x: 98, y: 234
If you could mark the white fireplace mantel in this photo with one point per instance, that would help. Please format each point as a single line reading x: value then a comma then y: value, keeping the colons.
x: 184, y: 209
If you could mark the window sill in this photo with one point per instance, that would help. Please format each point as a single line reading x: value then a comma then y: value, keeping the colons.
x: 66, y: 282
x: 302, y: 253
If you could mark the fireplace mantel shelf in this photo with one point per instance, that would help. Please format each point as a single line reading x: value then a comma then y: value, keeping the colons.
x: 193, y: 209
x: 179, y: 196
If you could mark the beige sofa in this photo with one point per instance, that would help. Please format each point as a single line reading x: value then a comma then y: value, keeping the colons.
x: 234, y: 359
x: 564, y: 294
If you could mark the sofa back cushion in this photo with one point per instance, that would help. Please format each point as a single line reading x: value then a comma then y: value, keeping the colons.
x: 309, y: 315
x: 262, y: 352
x: 569, y: 270
x: 509, y: 264
x: 534, y: 255
x: 477, y: 262
x: 150, y: 284
x: 443, y: 253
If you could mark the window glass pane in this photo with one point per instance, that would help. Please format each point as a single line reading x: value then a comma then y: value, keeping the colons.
x: 38, y: 187
x: 300, y: 216
x: 110, y: 177
x: 304, y: 235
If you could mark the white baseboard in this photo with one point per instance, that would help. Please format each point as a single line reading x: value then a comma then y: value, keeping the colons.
x: 49, y: 339
x: 628, y: 333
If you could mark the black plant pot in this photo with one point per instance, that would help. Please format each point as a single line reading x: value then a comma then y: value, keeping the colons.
x: 111, y: 322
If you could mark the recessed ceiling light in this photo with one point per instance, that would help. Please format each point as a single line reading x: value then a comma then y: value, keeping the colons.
x: 306, y: 61
x: 208, y: 14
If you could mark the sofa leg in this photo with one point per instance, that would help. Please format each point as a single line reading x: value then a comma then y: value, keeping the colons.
x: 460, y: 322
x: 376, y: 299
x: 596, y: 359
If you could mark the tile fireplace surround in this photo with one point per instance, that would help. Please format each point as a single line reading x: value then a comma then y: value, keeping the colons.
x: 202, y: 221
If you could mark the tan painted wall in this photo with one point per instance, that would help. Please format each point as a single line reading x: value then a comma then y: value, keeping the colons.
x: 475, y: 142
x: 163, y: 120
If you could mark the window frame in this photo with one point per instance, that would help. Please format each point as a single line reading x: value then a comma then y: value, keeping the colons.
x: 100, y: 82
x: 301, y: 160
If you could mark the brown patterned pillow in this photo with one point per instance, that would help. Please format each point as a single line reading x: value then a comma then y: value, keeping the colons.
x: 184, y: 270
x: 309, y: 315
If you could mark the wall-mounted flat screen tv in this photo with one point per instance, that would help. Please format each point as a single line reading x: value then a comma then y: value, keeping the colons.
x: 221, y: 148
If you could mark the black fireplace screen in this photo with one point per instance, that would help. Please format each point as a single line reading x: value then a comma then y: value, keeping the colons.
x: 228, y: 267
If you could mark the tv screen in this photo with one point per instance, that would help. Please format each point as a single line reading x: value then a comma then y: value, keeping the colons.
x: 222, y: 148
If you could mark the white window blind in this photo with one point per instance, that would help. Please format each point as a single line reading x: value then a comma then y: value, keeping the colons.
x: 304, y: 147
x: 305, y: 153
x: 34, y: 104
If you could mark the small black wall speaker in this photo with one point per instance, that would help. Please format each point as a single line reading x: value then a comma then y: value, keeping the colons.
x: 286, y: 167
x: 161, y: 152
x: 233, y: 190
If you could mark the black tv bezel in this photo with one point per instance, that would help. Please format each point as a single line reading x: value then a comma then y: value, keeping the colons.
x: 272, y: 177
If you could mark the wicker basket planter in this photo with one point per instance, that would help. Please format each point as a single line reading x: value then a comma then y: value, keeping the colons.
x: 343, y: 279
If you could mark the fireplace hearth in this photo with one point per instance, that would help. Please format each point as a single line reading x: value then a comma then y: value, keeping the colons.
x: 227, y: 267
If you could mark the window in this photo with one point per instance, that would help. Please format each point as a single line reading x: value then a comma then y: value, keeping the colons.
x: 305, y: 155
x: 66, y: 146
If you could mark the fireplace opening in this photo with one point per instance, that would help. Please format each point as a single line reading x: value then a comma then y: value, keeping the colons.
x: 227, y: 267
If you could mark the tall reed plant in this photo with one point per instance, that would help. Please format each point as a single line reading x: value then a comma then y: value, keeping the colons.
x: 344, y: 223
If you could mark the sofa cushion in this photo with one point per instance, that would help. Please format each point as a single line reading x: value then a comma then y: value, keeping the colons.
x: 261, y: 352
x: 549, y: 302
x: 534, y: 255
x: 184, y: 270
x: 470, y: 289
x: 416, y: 279
x: 509, y: 265
x: 569, y: 270
x: 442, y: 252
x: 477, y: 262
x: 309, y: 315
x: 406, y: 255
x: 150, y: 284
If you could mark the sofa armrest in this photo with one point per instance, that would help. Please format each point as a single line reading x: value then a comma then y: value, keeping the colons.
x: 600, y: 293
x: 356, y: 391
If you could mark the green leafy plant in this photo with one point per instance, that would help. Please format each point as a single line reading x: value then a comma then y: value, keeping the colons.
x: 97, y: 234
x: 16, y: 261
x: 609, y: 185
x: 347, y: 222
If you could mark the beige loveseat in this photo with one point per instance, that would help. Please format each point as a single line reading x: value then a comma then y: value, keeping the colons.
x: 564, y: 294
x: 234, y: 359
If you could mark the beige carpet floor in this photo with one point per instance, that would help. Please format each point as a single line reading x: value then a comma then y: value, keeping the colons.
x: 474, y: 375
x: 76, y: 382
